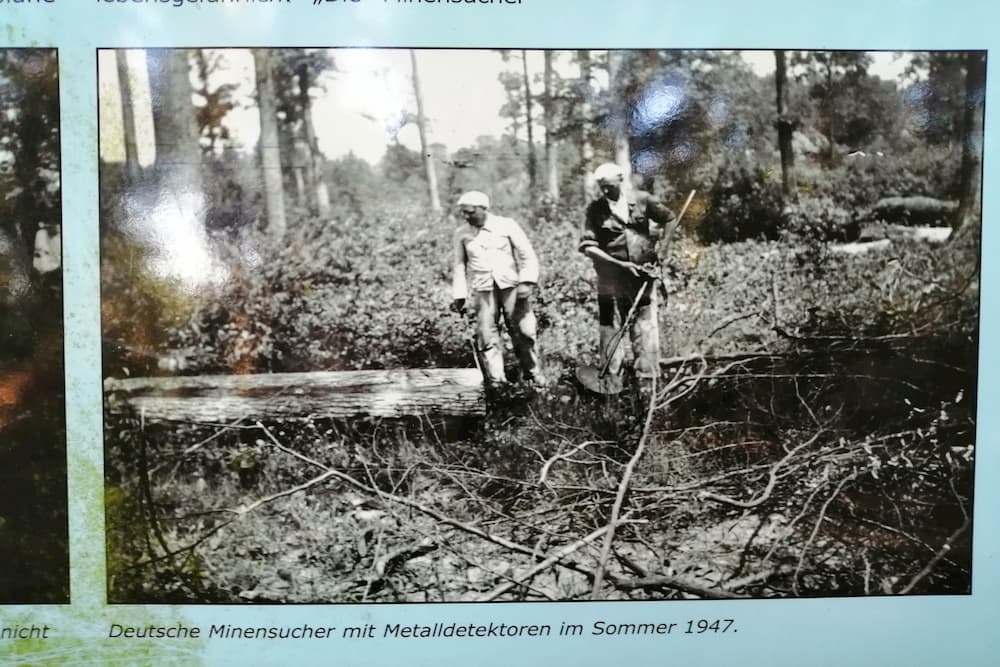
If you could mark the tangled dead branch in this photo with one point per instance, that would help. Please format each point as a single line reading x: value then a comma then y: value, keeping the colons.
x: 711, y: 492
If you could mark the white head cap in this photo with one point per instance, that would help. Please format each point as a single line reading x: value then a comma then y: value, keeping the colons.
x: 609, y: 172
x: 474, y: 198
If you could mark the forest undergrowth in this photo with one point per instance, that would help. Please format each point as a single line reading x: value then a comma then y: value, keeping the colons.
x: 812, y: 433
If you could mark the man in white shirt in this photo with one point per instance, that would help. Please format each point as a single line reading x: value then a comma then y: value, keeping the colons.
x: 496, y: 265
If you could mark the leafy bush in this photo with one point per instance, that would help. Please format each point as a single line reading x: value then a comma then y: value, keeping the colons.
x: 859, y: 181
x: 818, y: 219
x: 359, y: 293
x: 745, y: 203
x: 726, y: 297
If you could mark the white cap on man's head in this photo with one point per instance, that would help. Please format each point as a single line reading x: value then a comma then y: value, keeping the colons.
x: 474, y: 198
x: 609, y: 171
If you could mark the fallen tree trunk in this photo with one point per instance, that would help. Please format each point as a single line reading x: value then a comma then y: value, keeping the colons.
x: 452, y: 392
x: 914, y: 210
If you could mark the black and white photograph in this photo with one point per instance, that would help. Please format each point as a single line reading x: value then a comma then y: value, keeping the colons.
x: 393, y: 325
x: 34, y: 548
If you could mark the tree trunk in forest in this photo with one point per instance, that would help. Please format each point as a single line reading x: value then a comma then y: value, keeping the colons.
x: 128, y: 116
x: 175, y: 123
x: 177, y: 166
x: 551, y: 145
x: 302, y: 191
x: 319, y: 194
x: 204, y: 72
x: 532, y: 158
x: 619, y: 121
x: 305, y: 141
x: 786, y: 127
x: 34, y: 138
x: 830, y: 109
x: 972, y: 142
x: 270, y: 149
x: 586, y: 129
x: 425, y: 149
x: 437, y: 392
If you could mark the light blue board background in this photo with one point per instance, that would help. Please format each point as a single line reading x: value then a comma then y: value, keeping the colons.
x: 911, y: 631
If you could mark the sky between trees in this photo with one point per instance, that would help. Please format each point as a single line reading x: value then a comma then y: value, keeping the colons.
x: 367, y: 97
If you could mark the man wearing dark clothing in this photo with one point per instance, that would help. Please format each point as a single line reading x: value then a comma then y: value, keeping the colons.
x: 621, y: 235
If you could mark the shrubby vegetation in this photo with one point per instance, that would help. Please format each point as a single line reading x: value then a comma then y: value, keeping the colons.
x: 874, y: 356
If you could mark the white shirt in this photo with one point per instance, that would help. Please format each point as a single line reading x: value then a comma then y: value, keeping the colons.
x: 498, y: 252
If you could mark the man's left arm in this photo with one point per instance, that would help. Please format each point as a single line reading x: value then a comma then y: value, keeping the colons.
x: 459, y: 281
x: 524, y: 257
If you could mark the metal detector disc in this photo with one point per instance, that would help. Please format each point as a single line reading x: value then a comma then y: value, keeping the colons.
x: 590, y: 378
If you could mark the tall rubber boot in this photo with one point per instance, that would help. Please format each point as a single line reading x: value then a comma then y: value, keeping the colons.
x: 493, y: 360
x: 645, y: 336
